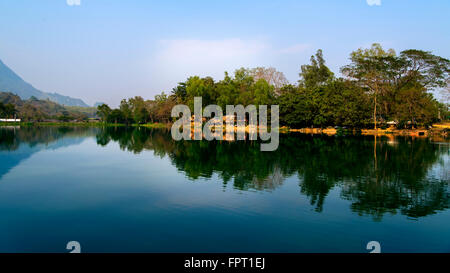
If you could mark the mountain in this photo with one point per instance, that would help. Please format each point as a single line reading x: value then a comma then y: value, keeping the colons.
x: 33, y: 109
x: 11, y: 82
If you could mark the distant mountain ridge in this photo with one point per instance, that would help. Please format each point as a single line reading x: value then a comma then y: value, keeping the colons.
x: 34, y: 109
x: 11, y: 82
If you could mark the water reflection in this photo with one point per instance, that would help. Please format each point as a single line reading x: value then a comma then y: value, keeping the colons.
x: 20, y: 143
x: 12, y: 137
x: 378, y: 176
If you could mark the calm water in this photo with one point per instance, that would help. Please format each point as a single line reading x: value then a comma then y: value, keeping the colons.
x: 136, y: 190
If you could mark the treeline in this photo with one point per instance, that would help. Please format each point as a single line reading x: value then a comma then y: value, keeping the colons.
x: 34, y: 109
x: 378, y: 87
x: 7, y: 111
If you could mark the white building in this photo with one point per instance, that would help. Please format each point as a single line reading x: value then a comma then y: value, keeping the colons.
x: 9, y: 119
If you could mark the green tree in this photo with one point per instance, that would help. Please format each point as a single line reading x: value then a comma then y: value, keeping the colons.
x: 200, y: 87
x: 263, y: 93
x: 425, y: 68
x: 293, y: 107
x: 399, y: 84
x: 180, y: 92
x: 116, y: 116
x: 415, y: 105
x: 371, y: 68
x: 103, y: 111
x: 127, y: 113
x: 346, y: 104
x: 138, y: 108
x: 227, y: 93
x: 9, y: 110
x: 315, y: 74
x: 2, y: 109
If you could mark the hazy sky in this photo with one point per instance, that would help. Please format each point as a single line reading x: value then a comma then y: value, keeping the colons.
x: 106, y: 50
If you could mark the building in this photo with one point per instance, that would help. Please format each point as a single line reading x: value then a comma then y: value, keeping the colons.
x: 9, y: 119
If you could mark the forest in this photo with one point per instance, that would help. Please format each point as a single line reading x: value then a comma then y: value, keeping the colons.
x: 376, y: 87
x: 37, y: 110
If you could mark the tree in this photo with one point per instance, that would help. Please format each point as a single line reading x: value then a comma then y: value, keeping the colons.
x: 160, y: 109
x: 445, y: 93
x: 227, y: 93
x: 378, y: 82
x: 116, y: 116
x: 421, y: 66
x: 127, y: 113
x: 272, y: 77
x: 103, y: 111
x: 416, y: 106
x: 370, y: 67
x: 400, y: 84
x: 263, y: 93
x: 345, y: 104
x: 200, y: 87
x: 243, y: 82
x: 316, y: 73
x: 2, y: 109
x: 8, y: 110
x: 293, y: 107
x: 180, y: 92
x: 138, y: 109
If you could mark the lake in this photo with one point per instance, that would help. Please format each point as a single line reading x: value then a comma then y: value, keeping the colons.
x: 137, y: 190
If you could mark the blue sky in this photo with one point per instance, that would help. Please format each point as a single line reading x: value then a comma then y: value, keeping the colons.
x: 106, y: 50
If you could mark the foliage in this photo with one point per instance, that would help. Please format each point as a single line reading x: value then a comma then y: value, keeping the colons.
x: 34, y: 109
x: 7, y: 111
x: 379, y: 86
x: 399, y: 84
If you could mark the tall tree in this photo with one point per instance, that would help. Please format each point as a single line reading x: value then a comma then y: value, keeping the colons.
x: 272, y: 77
x: 371, y: 67
x: 127, y: 113
x: 315, y: 74
x: 429, y: 70
x: 103, y: 111
x: 138, y: 109
x: 180, y: 92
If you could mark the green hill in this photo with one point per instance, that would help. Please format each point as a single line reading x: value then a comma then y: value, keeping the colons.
x: 34, y: 109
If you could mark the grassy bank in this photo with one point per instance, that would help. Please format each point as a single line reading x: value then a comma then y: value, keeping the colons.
x: 154, y: 125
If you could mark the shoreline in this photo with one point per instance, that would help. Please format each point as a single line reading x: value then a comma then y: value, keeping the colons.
x: 378, y: 132
x: 441, y: 130
x: 82, y: 124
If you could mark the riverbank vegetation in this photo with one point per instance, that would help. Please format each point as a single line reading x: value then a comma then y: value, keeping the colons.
x: 377, y: 87
x: 35, y: 110
x: 81, y: 124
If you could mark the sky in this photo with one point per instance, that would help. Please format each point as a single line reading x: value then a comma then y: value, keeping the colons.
x: 106, y: 50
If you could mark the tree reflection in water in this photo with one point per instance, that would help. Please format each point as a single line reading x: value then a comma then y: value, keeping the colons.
x: 387, y: 175
x: 392, y: 175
